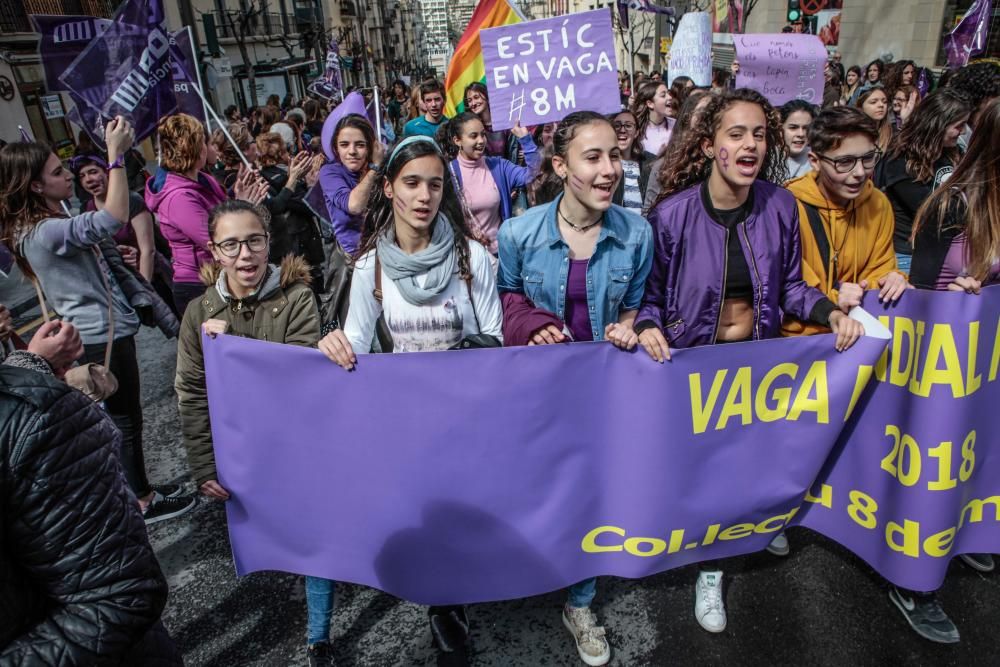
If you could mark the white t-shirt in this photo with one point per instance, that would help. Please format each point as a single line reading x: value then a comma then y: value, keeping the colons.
x: 437, y: 325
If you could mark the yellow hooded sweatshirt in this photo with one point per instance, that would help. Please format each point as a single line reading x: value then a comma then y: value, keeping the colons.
x: 860, y: 241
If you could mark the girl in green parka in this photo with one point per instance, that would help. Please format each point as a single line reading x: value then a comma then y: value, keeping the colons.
x: 246, y: 297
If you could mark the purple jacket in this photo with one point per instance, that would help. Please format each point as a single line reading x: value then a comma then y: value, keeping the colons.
x: 684, y: 291
x: 337, y: 181
x: 182, y: 207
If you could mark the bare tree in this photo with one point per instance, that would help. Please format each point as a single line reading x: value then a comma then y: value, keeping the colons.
x: 244, y: 24
x: 642, y: 26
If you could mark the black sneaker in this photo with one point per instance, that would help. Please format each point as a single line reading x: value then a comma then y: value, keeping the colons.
x: 978, y: 562
x: 449, y: 627
x: 925, y: 616
x: 169, y: 490
x: 161, y: 509
x: 320, y: 654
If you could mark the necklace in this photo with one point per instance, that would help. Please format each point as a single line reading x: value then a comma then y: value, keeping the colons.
x: 577, y: 227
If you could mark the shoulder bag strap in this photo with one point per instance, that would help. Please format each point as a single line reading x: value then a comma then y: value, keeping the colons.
x: 816, y: 224
x: 111, y: 310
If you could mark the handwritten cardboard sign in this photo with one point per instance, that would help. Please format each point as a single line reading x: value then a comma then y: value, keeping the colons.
x: 781, y: 67
x: 691, y: 52
x: 540, y: 71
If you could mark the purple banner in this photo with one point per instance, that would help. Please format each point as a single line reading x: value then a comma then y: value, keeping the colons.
x: 915, y: 479
x: 451, y: 477
x: 781, y: 67
x: 540, y: 71
x: 970, y: 35
x: 126, y: 70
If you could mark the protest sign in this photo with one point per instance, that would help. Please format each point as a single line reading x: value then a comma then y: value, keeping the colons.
x: 126, y: 69
x: 705, y: 457
x: 540, y: 71
x: 781, y: 67
x: 691, y: 51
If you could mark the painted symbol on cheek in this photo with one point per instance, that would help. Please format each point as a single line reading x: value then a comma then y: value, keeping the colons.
x: 724, y: 156
x: 576, y: 181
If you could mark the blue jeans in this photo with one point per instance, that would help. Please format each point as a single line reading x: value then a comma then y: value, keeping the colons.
x: 582, y: 594
x: 320, y: 595
x: 903, y: 262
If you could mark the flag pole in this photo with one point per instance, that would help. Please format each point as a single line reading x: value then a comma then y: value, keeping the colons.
x: 222, y: 126
x: 197, y: 71
x: 378, y: 116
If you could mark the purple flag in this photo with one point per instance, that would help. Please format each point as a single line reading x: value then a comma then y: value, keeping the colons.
x: 126, y: 70
x: 648, y: 6
x: 623, y: 6
x: 352, y: 104
x: 184, y: 64
x: 330, y: 85
x: 969, y: 36
x: 61, y: 40
x: 534, y: 79
x: 924, y: 82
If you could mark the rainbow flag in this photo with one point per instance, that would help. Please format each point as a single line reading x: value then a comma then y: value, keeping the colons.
x: 466, y: 64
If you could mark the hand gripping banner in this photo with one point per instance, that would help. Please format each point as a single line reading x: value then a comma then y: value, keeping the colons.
x: 478, y: 475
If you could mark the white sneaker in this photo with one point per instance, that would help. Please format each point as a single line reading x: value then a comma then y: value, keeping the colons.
x: 590, y: 642
x: 779, y: 545
x: 709, y: 609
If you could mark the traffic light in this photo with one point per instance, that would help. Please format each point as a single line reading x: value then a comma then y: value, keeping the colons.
x: 794, y: 11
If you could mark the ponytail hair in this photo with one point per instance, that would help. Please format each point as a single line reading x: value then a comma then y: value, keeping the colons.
x: 452, y: 129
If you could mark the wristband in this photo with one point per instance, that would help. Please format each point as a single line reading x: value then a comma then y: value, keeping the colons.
x: 118, y: 163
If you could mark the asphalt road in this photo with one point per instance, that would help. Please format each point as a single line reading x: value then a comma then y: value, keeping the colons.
x: 819, y: 606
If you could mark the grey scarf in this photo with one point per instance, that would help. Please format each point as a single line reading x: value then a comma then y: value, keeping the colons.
x: 436, y: 260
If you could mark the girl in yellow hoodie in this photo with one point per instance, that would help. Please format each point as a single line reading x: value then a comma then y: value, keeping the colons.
x: 846, y: 223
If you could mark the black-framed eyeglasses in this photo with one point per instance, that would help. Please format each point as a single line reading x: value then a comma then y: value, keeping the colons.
x: 231, y: 247
x: 624, y: 126
x: 845, y: 164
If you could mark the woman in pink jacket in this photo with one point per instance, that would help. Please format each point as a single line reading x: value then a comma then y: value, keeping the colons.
x: 182, y: 196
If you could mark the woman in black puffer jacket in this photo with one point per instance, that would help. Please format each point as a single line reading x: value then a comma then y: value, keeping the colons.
x: 79, y: 582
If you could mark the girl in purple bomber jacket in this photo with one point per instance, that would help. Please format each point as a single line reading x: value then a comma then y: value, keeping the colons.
x: 727, y: 260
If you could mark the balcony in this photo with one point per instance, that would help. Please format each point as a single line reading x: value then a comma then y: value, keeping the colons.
x: 263, y: 25
x: 14, y: 13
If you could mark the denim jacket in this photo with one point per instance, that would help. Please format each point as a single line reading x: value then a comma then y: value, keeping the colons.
x: 534, y: 261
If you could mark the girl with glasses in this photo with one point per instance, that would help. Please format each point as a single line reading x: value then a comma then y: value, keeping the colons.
x: 726, y: 238
x: 846, y: 223
x: 634, y: 175
x: 245, y: 296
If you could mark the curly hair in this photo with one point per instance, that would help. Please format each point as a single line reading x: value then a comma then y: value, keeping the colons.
x: 685, y: 163
x: 980, y: 81
x: 892, y: 77
x: 241, y: 135
x: 182, y: 140
x: 380, y: 215
x: 271, y: 149
x: 921, y: 141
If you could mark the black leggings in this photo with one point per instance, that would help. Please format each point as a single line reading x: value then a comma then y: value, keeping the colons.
x: 125, y: 408
x: 185, y: 293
